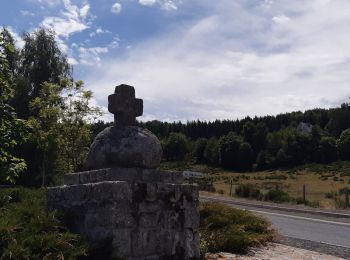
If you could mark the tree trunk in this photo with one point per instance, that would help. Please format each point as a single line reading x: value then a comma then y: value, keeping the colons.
x: 43, y: 171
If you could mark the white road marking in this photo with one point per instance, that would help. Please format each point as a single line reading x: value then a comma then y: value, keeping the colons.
x: 303, y: 218
x: 283, y: 215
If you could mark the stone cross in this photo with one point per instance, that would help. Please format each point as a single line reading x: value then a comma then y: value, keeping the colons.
x: 124, y: 105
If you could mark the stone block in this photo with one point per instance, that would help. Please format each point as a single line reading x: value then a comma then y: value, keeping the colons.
x: 149, y: 220
x: 75, y: 194
x: 141, y: 219
x: 97, y: 175
x: 71, y: 179
x: 171, y: 220
x: 121, y: 243
x: 165, y: 176
x: 191, y: 216
x: 145, y: 242
x: 191, y: 242
x: 151, y: 192
x: 84, y: 177
x: 150, y: 175
x: 122, y: 174
x: 177, y: 177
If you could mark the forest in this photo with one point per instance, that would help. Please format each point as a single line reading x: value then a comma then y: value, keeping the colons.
x: 259, y: 143
x: 47, y: 124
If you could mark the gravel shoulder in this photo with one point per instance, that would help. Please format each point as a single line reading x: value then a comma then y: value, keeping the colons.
x: 274, y: 251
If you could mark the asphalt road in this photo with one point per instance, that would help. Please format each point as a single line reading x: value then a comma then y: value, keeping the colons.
x: 314, y: 229
x: 327, y: 230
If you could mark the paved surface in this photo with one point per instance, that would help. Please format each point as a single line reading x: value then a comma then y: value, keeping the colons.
x: 274, y: 252
x: 327, y: 232
x: 331, y: 232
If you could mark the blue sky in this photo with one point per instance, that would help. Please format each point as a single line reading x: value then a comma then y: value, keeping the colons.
x: 201, y: 59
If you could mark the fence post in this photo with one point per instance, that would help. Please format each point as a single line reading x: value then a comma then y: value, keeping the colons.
x: 347, y: 202
x: 304, y: 193
x: 231, y: 188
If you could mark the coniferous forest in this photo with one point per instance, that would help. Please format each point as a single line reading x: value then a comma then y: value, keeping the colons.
x: 286, y: 140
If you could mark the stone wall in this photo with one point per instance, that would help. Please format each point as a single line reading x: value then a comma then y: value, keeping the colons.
x: 142, y: 213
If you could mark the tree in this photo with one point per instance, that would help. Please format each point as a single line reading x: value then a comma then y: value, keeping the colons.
x: 229, y: 146
x: 198, y: 150
x: 75, y: 133
x: 327, y: 150
x: 40, y: 61
x: 10, y: 53
x: 339, y: 119
x: 46, y: 106
x: 245, y: 156
x: 175, y: 147
x: 12, y: 130
x: 211, y: 152
x: 343, y: 144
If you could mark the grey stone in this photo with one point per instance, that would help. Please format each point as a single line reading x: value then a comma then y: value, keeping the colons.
x: 123, y: 199
x: 71, y: 179
x: 124, y: 105
x: 121, y: 243
x: 145, y: 242
x: 130, y: 146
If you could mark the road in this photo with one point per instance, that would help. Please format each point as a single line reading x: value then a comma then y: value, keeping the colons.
x: 304, y: 226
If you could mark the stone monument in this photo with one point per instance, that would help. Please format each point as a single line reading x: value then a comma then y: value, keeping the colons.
x: 122, y: 200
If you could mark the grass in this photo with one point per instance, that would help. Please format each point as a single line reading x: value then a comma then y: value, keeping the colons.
x: 319, y: 179
x: 225, y: 229
x: 316, y: 187
x: 27, y: 231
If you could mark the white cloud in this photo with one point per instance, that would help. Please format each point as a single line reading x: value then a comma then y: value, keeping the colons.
x: 72, y: 61
x: 27, y: 13
x: 281, y: 19
x: 99, y: 30
x: 116, y: 8
x: 62, y: 26
x: 115, y: 42
x: 239, y: 61
x: 84, y: 10
x: 147, y: 2
x: 169, y: 5
x: 50, y: 3
x: 18, y: 39
x: 91, y: 56
x: 72, y: 20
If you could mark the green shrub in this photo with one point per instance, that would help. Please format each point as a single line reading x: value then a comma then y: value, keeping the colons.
x: 27, y: 231
x: 278, y: 196
x: 223, y: 228
x: 313, y: 203
x: 343, y: 144
x: 248, y: 191
x: 277, y: 177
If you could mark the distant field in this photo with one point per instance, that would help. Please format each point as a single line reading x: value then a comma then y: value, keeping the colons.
x: 319, y: 180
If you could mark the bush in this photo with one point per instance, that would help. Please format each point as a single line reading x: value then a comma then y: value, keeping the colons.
x: 248, y: 191
x: 28, y: 232
x: 175, y: 147
x: 327, y: 150
x: 343, y: 144
x: 223, y: 228
x: 276, y: 177
x: 278, y: 196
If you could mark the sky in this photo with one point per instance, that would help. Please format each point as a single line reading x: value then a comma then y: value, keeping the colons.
x: 201, y: 59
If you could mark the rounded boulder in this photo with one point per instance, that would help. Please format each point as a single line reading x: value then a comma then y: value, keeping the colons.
x: 128, y: 146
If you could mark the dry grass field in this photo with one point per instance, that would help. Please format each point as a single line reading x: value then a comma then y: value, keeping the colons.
x: 318, y: 179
